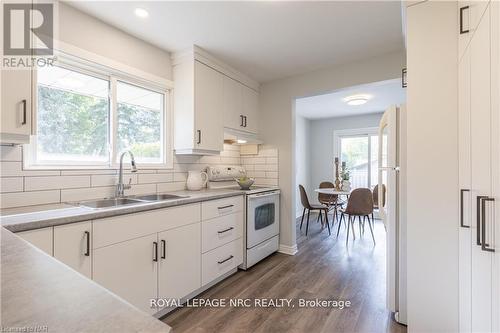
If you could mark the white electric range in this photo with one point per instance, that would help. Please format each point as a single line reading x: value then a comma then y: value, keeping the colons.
x: 262, y: 222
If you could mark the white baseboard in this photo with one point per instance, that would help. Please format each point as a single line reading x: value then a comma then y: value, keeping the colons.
x: 290, y: 250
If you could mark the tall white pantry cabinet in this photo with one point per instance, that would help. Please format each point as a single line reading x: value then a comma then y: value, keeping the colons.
x: 479, y: 169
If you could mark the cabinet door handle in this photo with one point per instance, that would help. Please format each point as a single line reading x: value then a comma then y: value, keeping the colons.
x: 478, y: 218
x: 199, y: 136
x: 242, y: 118
x: 87, y: 238
x: 223, y: 261
x: 404, y: 78
x: 485, y: 246
x: 462, y: 208
x: 155, y: 251
x: 245, y: 117
x: 225, y: 230
x: 462, y: 31
x: 24, y: 102
x: 163, y: 249
x: 224, y: 207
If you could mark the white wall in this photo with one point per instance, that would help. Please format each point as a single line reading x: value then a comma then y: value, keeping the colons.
x: 277, y: 117
x: 322, y: 142
x: 93, y: 35
x: 302, y: 159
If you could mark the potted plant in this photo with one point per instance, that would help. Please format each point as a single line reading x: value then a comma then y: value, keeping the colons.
x: 346, y: 184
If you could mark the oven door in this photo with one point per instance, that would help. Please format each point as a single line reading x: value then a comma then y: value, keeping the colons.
x: 262, y: 217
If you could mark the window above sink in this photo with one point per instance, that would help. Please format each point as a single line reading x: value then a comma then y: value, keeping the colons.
x: 86, y: 115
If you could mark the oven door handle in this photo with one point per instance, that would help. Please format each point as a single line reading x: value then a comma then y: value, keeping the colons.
x: 252, y: 196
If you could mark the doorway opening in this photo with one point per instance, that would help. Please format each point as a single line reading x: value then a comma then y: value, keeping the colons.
x: 340, y: 144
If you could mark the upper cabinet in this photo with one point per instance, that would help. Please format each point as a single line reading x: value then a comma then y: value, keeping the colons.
x: 470, y: 13
x: 15, y: 106
x: 241, y: 105
x: 250, y: 110
x: 198, y: 109
x: 208, y: 97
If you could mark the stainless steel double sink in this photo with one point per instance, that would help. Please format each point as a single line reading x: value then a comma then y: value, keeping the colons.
x: 130, y: 200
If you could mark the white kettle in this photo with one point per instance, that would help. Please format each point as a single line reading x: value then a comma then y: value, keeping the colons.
x: 195, y: 181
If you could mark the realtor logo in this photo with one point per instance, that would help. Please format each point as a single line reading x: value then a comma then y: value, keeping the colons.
x: 28, y: 29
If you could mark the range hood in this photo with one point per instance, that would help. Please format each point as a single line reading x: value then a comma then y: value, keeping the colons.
x: 236, y: 137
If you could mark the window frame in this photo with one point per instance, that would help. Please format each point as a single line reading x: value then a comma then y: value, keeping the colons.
x: 354, y: 132
x: 113, y: 76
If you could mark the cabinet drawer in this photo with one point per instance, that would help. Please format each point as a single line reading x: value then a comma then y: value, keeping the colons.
x: 221, y: 230
x: 221, y: 260
x: 221, y: 207
x: 120, y: 228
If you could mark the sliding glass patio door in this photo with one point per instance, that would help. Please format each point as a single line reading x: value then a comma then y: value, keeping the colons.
x: 359, y: 150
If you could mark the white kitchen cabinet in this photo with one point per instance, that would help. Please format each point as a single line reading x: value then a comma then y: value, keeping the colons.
x: 221, y: 260
x: 72, y: 246
x: 432, y: 155
x: 130, y: 270
x: 465, y: 197
x: 481, y: 174
x: 198, y: 108
x: 221, y: 230
x: 16, y: 106
x: 208, y: 108
x: 179, y: 261
x: 40, y: 238
x: 470, y: 13
x: 233, y: 104
x: 250, y: 110
x: 241, y: 105
x: 479, y: 171
x: 495, y: 163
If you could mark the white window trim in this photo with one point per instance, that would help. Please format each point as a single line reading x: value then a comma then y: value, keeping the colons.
x: 118, y: 72
x: 353, y: 132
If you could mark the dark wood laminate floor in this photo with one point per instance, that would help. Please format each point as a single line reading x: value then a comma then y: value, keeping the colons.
x: 323, y: 268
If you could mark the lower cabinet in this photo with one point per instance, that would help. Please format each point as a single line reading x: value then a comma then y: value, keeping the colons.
x: 221, y: 260
x: 72, y: 246
x: 129, y: 269
x: 165, y: 253
x: 179, y: 261
x: 40, y: 238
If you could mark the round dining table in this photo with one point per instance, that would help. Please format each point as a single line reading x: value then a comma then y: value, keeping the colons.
x: 332, y: 191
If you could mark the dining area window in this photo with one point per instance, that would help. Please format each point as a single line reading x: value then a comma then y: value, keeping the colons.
x: 358, y: 148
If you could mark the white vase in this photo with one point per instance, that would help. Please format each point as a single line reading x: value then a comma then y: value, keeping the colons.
x: 346, y: 185
x: 195, y: 181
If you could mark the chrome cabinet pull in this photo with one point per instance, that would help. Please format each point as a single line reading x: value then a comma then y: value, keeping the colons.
x: 485, y: 246
x: 225, y: 230
x: 245, y: 117
x: 462, y: 30
x: 242, y: 118
x: 155, y: 251
x: 462, y: 208
x: 87, y: 237
x: 478, y: 218
x: 223, y: 261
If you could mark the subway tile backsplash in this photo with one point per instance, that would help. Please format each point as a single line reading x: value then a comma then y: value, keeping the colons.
x: 20, y: 187
x: 263, y: 166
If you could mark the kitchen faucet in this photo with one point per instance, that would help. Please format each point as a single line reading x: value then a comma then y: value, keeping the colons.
x: 120, y: 187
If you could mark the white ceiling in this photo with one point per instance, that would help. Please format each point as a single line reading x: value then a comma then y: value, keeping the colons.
x: 383, y: 94
x: 264, y: 39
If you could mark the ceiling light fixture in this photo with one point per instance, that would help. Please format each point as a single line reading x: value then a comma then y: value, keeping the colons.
x: 357, y: 99
x: 141, y: 12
